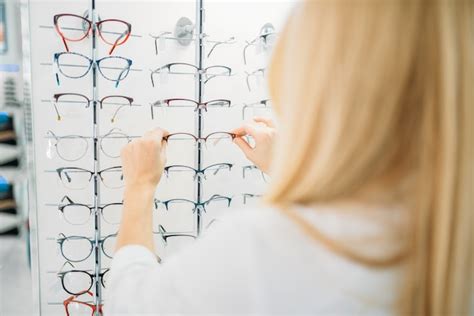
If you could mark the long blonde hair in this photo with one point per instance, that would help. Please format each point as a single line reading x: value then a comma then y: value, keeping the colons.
x: 379, y: 95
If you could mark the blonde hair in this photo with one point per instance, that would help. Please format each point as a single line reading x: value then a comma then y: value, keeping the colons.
x: 378, y: 96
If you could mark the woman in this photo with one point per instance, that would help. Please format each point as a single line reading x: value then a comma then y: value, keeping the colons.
x: 370, y: 205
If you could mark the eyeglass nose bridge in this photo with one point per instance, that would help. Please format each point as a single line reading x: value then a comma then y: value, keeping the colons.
x: 200, y: 208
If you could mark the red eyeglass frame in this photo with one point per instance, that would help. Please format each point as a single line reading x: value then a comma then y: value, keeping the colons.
x: 118, y: 42
x: 72, y: 300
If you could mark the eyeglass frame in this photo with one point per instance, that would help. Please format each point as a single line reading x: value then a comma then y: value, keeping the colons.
x: 58, y: 139
x: 254, y: 105
x: 200, y: 205
x: 91, y: 208
x: 86, y: 32
x: 199, y: 139
x: 254, y: 73
x: 72, y: 298
x: 91, y: 62
x: 89, y: 101
x: 199, y: 105
x: 198, y: 70
x: 61, y: 276
x: 60, y: 170
x: 252, y: 42
x: 198, y: 173
x: 61, y: 240
x: 165, y: 235
x: 230, y: 40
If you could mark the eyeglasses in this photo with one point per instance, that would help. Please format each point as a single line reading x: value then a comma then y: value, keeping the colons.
x: 70, y: 103
x: 252, y: 169
x: 74, y: 307
x: 75, y: 28
x: 216, y: 137
x: 263, y: 40
x: 189, y: 69
x: 79, y: 248
x: 79, y: 214
x: 257, y: 73
x: 203, y: 173
x: 250, y: 196
x: 75, y: 66
x: 174, y: 205
x: 265, y: 104
x: 74, y: 147
x: 78, y: 178
x: 183, y: 102
x: 160, y: 41
x: 76, y: 282
x: 166, y: 235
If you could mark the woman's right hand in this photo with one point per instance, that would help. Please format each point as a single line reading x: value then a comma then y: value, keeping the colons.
x: 263, y: 132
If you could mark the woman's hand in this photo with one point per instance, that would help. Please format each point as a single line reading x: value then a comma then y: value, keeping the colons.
x: 143, y: 160
x: 263, y: 132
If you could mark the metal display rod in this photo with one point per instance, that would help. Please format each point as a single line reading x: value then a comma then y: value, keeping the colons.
x: 199, y: 113
x: 95, y: 135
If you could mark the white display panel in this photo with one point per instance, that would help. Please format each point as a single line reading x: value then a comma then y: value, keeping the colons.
x: 223, y: 20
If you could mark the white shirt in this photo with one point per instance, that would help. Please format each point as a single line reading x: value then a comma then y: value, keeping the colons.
x: 254, y: 262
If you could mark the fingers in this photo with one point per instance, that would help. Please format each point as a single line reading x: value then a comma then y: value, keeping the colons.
x: 265, y: 120
x: 157, y: 134
x: 244, y: 146
x: 247, y: 129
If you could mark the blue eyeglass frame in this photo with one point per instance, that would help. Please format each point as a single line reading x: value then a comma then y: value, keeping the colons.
x: 121, y: 77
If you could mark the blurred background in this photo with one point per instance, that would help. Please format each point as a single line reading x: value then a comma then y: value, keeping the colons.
x: 14, y: 130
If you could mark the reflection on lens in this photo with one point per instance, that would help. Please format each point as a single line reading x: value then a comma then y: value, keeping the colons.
x: 73, y: 28
x: 218, y: 71
x: 112, y: 213
x: 76, y: 248
x: 217, y: 169
x: 113, y: 143
x: 176, y: 205
x: 108, y: 245
x: 182, y: 103
x: 114, y: 68
x: 70, y: 105
x: 76, y: 214
x: 113, y: 32
x: 73, y: 65
x: 182, y: 69
x: 75, y: 179
x: 79, y: 309
x: 219, y: 138
x: 76, y: 282
x: 72, y: 148
x: 112, y: 178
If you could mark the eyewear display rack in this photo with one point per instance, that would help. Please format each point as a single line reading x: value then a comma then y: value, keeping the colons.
x: 95, y: 139
x: 210, y: 19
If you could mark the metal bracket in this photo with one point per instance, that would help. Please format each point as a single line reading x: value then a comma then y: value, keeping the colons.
x: 184, y: 31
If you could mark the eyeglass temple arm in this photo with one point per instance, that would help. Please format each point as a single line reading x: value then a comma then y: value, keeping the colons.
x: 245, y: 51
x: 116, y: 112
x: 50, y: 132
x: 64, y: 265
x: 151, y: 76
x: 65, y: 43
x: 117, y: 40
x: 229, y: 41
x: 68, y: 199
x: 119, y: 78
x: 56, y: 109
x: 56, y: 69
x: 248, y: 80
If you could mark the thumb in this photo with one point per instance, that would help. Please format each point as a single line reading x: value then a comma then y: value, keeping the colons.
x: 244, y: 146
